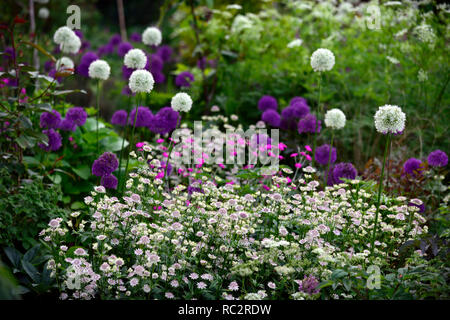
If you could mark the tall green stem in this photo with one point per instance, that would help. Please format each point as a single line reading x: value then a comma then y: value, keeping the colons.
x: 327, y: 173
x: 168, y: 158
x: 132, y: 134
x: 98, y: 108
x: 317, y: 118
x: 380, y: 188
x: 125, y: 133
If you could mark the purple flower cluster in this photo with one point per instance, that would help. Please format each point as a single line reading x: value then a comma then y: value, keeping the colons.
x: 271, y: 117
x: 109, y: 181
x: 155, y: 65
x: 119, y: 118
x: 164, y: 121
x: 85, y: 62
x: 322, y: 154
x: 75, y: 116
x: 54, y: 140
x: 342, y: 170
x: 266, y: 103
x: 143, y: 119
x: 165, y: 53
x: 184, y: 79
x: 103, y: 167
x: 309, y: 285
x: 136, y: 37
x: 123, y: 48
x: 437, y: 158
x: 308, y: 124
x: 50, y: 120
x: 292, y: 114
x: 412, y: 167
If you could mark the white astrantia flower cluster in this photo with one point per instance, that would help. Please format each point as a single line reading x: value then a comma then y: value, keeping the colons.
x: 135, y: 59
x: 99, y: 69
x: 141, y: 81
x: 390, y: 119
x: 152, y: 36
x: 322, y: 60
x: 67, y: 40
x: 181, y: 102
x: 335, y: 119
x: 64, y: 63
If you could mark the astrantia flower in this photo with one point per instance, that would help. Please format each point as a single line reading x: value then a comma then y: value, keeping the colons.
x: 99, y: 69
x: 119, y: 118
x: 135, y: 59
x: 124, y: 48
x: 152, y: 36
x: 141, y: 81
x: 438, y: 158
x: 50, y: 120
x: 164, y: 121
x: 77, y: 115
x: 389, y: 119
x: 412, y: 166
x: 308, y: 124
x: 64, y: 63
x: 335, y: 119
x: 181, y: 102
x: 343, y: 170
x: 143, y: 119
x: 323, y: 153
x: 105, y: 164
x: 184, y: 79
x: 85, y: 62
x: 109, y: 181
x: 54, y: 140
x: 266, y: 103
x: 271, y: 117
x: 322, y: 60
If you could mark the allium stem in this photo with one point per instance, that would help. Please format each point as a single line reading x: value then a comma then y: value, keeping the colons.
x: 125, y: 133
x: 380, y: 188
x: 98, y: 108
x: 132, y: 135
x: 327, y: 173
x: 168, y: 157
x: 317, y: 118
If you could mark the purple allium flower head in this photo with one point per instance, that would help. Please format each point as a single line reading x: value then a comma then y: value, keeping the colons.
x: 291, y: 115
x: 106, y: 49
x: 127, y: 91
x: 67, y: 125
x: 438, y: 158
x: 123, y: 48
x: 295, y: 100
x: 48, y: 65
x: 54, y: 140
x: 184, y: 79
x: 109, y: 181
x: 9, y: 53
x: 260, y: 140
x: 115, y: 40
x: 52, y: 73
x: 78, y: 33
x: 50, y: 120
x: 323, y: 153
x: 309, y: 285
x: 201, y: 63
x: 119, y: 118
x: 136, y: 37
x: 85, y: 62
x: 165, y: 53
x: 271, y: 117
x: 77, y: 115
x: 159, y: 77
x: 412, y: 166
x: 267, y: 102
x: 164, y: 121
x: 143, y: 119
x: 105, y: 164
x: 154, y: 64
x: 308, y: 124
x: 343, y: 170
x: 421, y: 207
x: 126, y: 72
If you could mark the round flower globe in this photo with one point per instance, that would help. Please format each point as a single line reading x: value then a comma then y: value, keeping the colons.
x: 267, y: 102
x: 135, y: 59
x: 322, y: 60
x: 72, y: 45
x: 63, y: 34
x: 343, y: 170
x: 437, y: 158
x: 412, y: 166
x: 43, y: 13
x: 152, y: 36
x: 389, y: 119
x: 99, y: 69
x: 335, y: 119
x: 271, y: 117
x: 64, y: 63
x: 181, y: 102
x: 141, y: 81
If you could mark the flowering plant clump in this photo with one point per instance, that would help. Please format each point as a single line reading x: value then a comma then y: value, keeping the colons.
x: 99, y: 69
x: 390, y: 119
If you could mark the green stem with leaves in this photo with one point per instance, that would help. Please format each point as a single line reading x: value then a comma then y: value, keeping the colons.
x: 125, y: 133
x: 327, y: 173
x: 132, y: 135
x: 98, y: 109
x: 319, y: 111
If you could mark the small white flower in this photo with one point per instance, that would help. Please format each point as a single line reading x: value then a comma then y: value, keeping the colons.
x: 141, y: 81
x: 135, y: 59
x: 99, y: 69
x: 425, y: 33
x: 335, y: 119
x: 234, y: 6
x: 422, y: 76
x: 295, y: 43
x: 43, y: 13
x: 322, y: 60
x: 389, y: 119
x: 181, y: 102
x: 393, y: 60
x: 64, y: 63
x: 152, y: 36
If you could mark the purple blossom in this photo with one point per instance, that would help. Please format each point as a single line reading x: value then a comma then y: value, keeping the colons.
x: 85, y: 62
x: 48, y: 65
x: 309, y: 285
x: 50, y: 120
x: 123, y: 48
x: 104, y: 50
x: 105, y: 164
x: 126, y: 72
x: 115, y: 39
x: 159, y: 77
x: 184, y: 79
x: 295, y: 100
x: 291, y: 115
x: 9, y: 53
x: 165, y: 53
x: 343, y: 170
x: 154, y: 64
x: 119, y: 118
x: 421, y: 207
x: 164, y: 121
x: 136, y: 37
x: 54, y: 140
x: 308, y: 124
x: 267, y: 102
x: 412, y: 166
x: 77, y: 115
x: 322, y: 154
x: 109, y: 181
x: 67, y: 125
x: 127, y: 91
x: 78, y: 33
x: 271, y: 117
x: 437, y: 158
x: 143, y: 119
x: 260, y: 140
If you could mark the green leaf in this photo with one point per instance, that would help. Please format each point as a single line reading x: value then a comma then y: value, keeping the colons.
x: 91, y: 125
x: 31, y: 271
x: 55, y: 178
x: 32, y: 161
x: 25, y: 142
x: 62, y: 92
x: 114, y: 143
x: 338, y: 273
x: 77, y: 205
x: 14, y: 256
x: 84, y: 172
x: 32, y: 253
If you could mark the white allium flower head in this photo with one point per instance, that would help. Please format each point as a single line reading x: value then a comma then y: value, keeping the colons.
x: 99, y: 69
x: 141, y: 81
x: 64, y: 63
x: 135, y: 59
x: 152, y: 36
x: 389, y: 119
x: 295, y: 43
x: 71, y: 45
x: 63, y: 34
x: 43, y: 13
x: 322, y: 60
x: 181, y: 102
x: 335, y: 119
